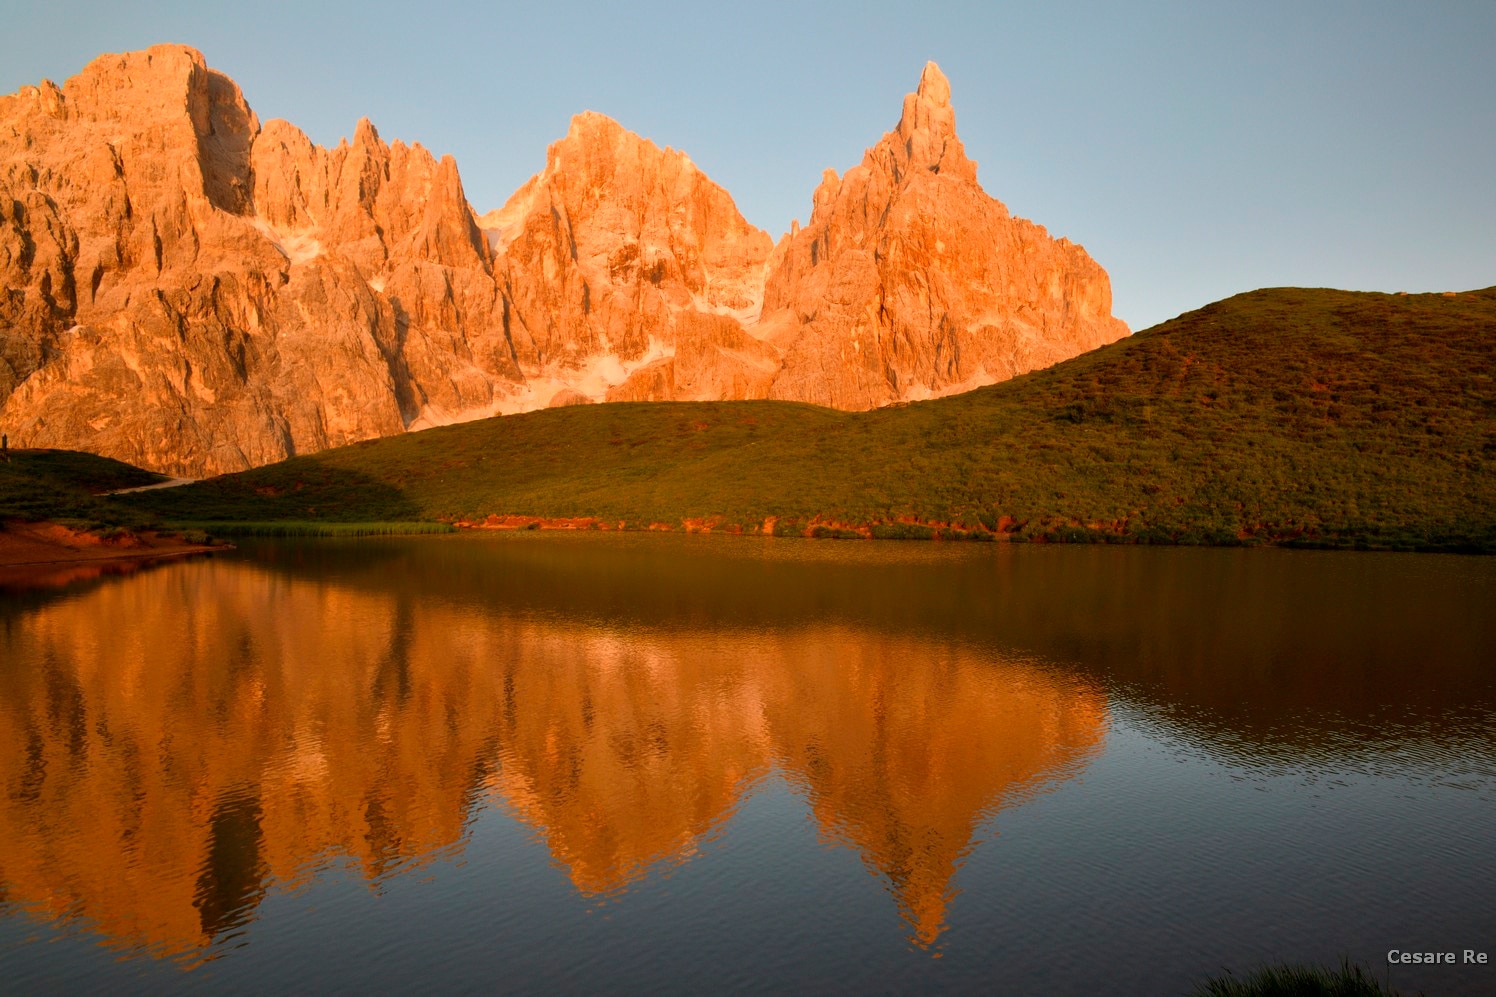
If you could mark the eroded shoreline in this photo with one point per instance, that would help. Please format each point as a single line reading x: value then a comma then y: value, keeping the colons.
x: 45, y: 546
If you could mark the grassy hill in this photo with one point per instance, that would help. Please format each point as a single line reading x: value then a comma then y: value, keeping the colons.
x: 1299, y: 416
x: 65, y: 485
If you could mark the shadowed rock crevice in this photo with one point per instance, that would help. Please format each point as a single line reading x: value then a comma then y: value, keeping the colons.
x: 224, y: 148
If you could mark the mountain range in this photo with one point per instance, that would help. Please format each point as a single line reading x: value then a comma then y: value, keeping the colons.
x: 195, y: 292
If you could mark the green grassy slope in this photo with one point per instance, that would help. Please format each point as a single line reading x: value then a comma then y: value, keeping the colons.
x: 65, y: 485
x: 1287, y: 415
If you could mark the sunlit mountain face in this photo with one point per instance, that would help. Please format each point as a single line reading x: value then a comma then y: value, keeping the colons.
x: 174, y: 744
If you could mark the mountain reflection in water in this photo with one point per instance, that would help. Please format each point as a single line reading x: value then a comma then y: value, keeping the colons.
x: 1180, y: 759
x: 174, y: 744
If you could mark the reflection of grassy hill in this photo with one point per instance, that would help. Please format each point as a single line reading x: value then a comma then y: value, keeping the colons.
x: 1288, y: 415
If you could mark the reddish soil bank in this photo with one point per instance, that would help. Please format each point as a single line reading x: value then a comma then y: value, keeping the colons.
x: 25, y: 546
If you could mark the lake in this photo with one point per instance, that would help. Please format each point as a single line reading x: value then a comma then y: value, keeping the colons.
x: 591, y: 762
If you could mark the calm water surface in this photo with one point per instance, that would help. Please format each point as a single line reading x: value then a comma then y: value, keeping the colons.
x: 674, y: 763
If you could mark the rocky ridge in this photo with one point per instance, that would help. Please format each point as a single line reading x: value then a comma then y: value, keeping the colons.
x: 194, y: 292
x: 910, y: 282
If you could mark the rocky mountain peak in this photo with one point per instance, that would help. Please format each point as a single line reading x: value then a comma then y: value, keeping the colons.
x: 588, y: 123
x: 365, y: 134
x: 254, y: 295
x: 596, y: 149
x: 926, y: 135
x: 933, y: 85
x: 614, y: 256
x: 911, y: 282
x: 162, y: 80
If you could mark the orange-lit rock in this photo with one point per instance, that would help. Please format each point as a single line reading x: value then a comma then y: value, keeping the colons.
x: 909, y: 281
x: 616, y: 257
x: 195, y: 293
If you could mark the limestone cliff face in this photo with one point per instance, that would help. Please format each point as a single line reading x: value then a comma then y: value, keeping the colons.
x: 195, y: 293
x: 191, y: 293
x: 910, y: 281
x: 400, y: 218
x: 628, y: 272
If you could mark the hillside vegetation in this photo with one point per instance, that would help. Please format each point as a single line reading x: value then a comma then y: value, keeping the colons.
x: 1299, y: 416
x: 66, y: 485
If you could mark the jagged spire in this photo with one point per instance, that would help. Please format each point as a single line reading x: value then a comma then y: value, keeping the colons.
x: 933, y: 85
x: 927, y: 129
x: 364, y: 133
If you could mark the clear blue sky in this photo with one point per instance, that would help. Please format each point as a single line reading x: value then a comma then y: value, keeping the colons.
x: 1196, y: 149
